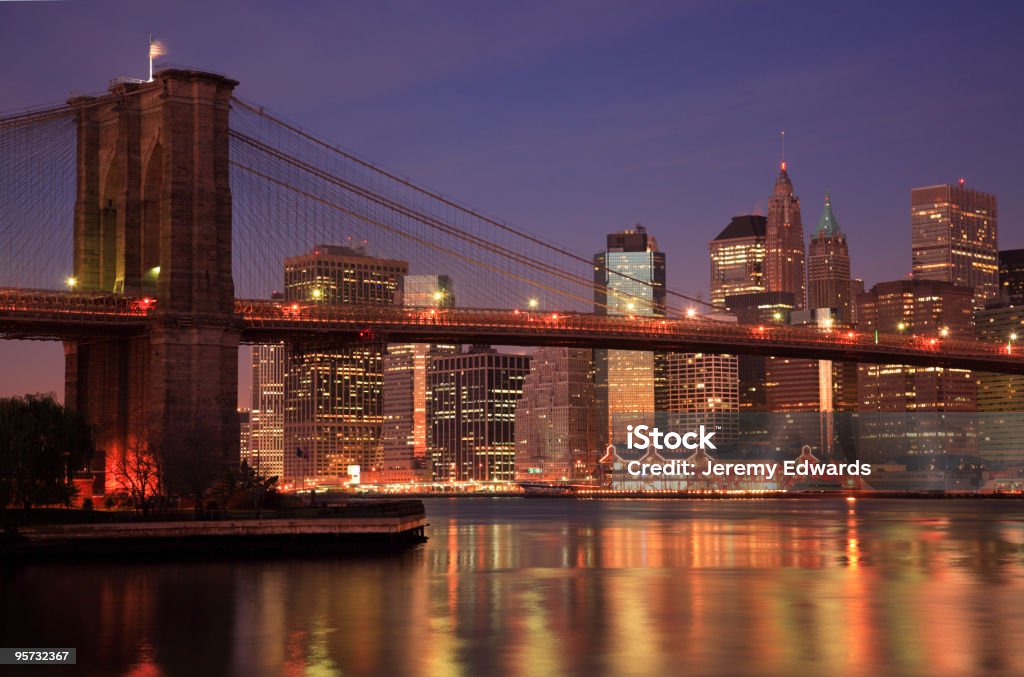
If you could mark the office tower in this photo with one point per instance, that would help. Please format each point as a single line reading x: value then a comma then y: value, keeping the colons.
x: 737, y: 258
x: 1001, y: 396
x: 266, y: 451
x: 404, y: 407
x: 244, y: 431
x: 333, y: 395
x: 704, y: 388
x: 807, y: 396
x: 913, y: 408
x: 1011, y: 275
x: 784, y: 241
x: 555, y: 436
x: 828, y: 267
x: 955, y: 238
x: 856, y: 289
x: 471, y: 406
x: 629, y: 279
x: 770, y: 307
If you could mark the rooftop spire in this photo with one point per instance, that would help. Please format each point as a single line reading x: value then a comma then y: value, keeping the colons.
x: 828, y: 226
x: 782, y: 164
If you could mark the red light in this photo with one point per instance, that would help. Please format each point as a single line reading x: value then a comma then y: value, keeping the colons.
x: 761, y: 328
x: 554, y: 316
x: 295, y: 306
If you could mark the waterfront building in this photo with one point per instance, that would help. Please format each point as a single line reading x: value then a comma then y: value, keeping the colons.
x: 555, y: 436
x: 955, y: 238
x: 629, y: 277
x: 265, y: 453
x: 471, y: 405
x: 1001, y: 396
x: 333, y: 396
x: 404, y: 448
x: 916, y: 410
x: 737, y: 258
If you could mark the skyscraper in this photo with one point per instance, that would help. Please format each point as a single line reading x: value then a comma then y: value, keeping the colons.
x: 737, y: 258
x: 555, y: 437
x: 266, y: 438
x: 404, y: 438
x: 471, y: 406
x: 955, y: 238
x: 333, y: 396
x: 1001, y: 396
x: 828, y: 267
x: 629, y: 279
x: 784, y: 241
x: 1011, y: 275
x: 704, y: 388
x: 912, y: 403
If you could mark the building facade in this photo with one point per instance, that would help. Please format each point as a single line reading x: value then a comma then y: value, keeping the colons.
x: 955, y: 238
x: 737, y: 258
x: 471, y: 405
x: 1011, y: 275
x: 784, y: 241
x: 333, y: 396
x: 629, y: 279
x: 404, y: 448
x: 1001, y: 396
x: 266, y: 448
x: 704, y: 388
x: 554, y: 423
x: 828, y: 268
x: 912, y: 410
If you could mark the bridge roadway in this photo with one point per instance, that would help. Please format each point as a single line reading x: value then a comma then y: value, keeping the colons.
x: 43, y: 315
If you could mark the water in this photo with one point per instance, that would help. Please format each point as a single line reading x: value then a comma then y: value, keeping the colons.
x: 550, y: 586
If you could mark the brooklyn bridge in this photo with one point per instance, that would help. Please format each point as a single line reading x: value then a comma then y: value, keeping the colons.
x: 147, y: 227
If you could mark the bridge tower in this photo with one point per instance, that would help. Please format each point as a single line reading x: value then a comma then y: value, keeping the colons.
x: 153, y: 218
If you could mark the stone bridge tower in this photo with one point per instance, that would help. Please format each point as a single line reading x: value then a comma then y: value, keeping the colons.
x: 153, y: 219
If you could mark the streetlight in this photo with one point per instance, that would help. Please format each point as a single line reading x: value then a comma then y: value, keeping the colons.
x: 534, y: 303
x: 901, y: 327
x: 438, y: 296
x: 944, y: 332
x: 318, y: 293
x: 71, y: 282
x: 630, y: 306
x: 1009, y: 344
x: 691, y: 312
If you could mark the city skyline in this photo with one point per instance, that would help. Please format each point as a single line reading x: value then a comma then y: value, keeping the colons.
x: 714, y: 132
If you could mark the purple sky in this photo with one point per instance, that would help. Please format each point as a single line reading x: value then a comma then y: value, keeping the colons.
x: 574, y: 119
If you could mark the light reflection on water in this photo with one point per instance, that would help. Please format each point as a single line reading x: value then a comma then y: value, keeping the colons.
x: 550, y: 586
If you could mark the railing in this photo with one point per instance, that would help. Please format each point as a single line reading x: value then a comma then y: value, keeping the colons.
x: 275, y: 320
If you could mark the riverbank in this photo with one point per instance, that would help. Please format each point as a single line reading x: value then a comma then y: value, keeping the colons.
x: 359, y: 526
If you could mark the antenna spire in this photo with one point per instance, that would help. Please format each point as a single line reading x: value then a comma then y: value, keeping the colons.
x: 782, y: 164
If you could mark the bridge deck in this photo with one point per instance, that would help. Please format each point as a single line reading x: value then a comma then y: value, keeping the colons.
x: 60, y: 315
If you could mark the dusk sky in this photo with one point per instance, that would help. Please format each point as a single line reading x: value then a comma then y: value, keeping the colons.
x: 573, y: 119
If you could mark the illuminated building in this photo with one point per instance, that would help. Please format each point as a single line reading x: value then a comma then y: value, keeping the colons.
x: 705, y: 389
x: 955, y: 238
x: 737, y: 258
x: 333, y: 414
x: 784, y: 241
x: 913, y: 410
x: 1001, y: 396
x: 856, y: 289
x: 1011, y: 275
x: 757, y: 308
x: 404, y: 436
x: 629, y: 279
x: 266, y: 448
x: 244, y: 430
x: 471, y: 409
x: 555, y: 437
x: 828, y: 267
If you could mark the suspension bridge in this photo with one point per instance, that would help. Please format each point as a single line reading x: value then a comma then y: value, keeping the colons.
x: 147, y: 228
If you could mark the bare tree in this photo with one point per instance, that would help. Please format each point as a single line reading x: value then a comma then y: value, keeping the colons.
x: 136, y: 469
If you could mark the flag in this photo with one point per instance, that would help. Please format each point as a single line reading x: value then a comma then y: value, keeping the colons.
x: 156, y: 48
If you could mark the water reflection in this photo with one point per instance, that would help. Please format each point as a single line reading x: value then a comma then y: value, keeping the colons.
x: 571, y: 587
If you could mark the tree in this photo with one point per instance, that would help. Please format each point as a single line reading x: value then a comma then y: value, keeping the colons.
x: 42, y: 444
x: 136, y: 468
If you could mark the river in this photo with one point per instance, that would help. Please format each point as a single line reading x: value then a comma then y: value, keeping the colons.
x: 563, y: 586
